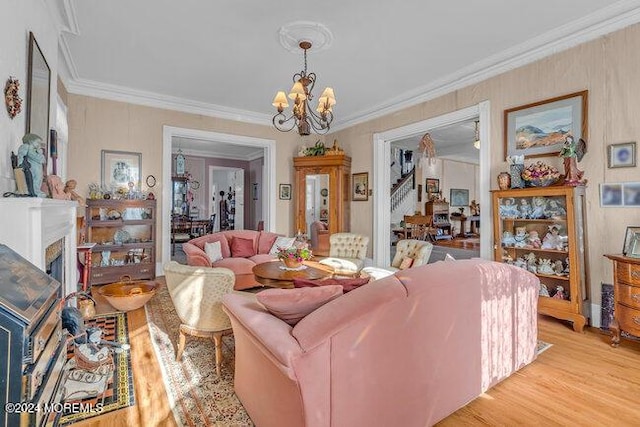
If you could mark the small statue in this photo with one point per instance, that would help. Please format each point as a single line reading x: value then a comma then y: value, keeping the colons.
x: 544, y: 291
x: 31, y: 151
x: 553, y: 240
x: 525, y: 209
x: 474, y: 208
x: 573, y: 152
x: 509, y: 209
x: 555, y: 210
x: 531, y: 262
x: 559, y: 293
x: 533, y: 241
x: 520, y: 237
x: 507, y: 239
x: 544, y: 266
x: 539, y: 208
x: 558, y: 267
x: 566, y: 268
x: 520, y: 262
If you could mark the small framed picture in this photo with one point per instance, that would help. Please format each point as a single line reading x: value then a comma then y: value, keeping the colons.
x: 632, y: 231
x: 621, y: 155
x: 285, y: 191
x: 360, y: 191
x: 432, y: 185
x: 459, y: 197
x: 634, y: 246
x: 610, y: 195
x: 631, y: 194
x: 119, y: 168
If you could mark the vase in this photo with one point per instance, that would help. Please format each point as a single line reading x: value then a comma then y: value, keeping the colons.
x: 516, y: 176
x: 504, y: 181
x: 291, y: 263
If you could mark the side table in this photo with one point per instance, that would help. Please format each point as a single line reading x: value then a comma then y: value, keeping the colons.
x: 626, y: 296
x: 85, y: 251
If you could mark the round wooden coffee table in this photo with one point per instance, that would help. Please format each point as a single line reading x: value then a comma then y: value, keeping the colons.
x: 270, y: 273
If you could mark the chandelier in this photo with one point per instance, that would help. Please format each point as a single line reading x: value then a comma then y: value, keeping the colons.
x: 303, y: 116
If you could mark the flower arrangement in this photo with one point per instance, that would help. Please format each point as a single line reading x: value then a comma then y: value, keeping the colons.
x: 293, y: 253
x: 540, y: 174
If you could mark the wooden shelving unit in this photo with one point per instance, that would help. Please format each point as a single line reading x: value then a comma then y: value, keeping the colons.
x: 124, y: 232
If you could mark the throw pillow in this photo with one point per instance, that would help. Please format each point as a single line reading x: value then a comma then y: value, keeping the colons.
x: 347, y: 284
x: 448, y: 257
x: 406, y: 263
x: 213, y: 251
x: 281, y: 242
x: 242, y: 248
x: 292, y: 305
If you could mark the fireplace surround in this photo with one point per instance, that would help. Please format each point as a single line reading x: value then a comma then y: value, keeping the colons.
x: 40, y: 230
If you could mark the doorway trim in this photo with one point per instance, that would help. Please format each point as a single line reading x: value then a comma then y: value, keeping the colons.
x: 382, y: 176
x: 268, y: 176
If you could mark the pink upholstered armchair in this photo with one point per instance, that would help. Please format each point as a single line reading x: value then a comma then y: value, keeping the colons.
x: 320, y: 238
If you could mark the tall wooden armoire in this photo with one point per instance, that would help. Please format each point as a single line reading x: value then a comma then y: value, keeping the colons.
x: 336, y: 171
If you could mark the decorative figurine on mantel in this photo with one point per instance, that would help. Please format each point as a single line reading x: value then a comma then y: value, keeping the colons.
x: 573, y: 152
x: 31, y: 158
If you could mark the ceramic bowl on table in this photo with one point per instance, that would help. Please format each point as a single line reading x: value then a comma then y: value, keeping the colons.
x: 128, y: 295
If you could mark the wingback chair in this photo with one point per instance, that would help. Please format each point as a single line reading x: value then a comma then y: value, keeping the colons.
x: 347, y: 253
x: 418, y: 250
x: 197, y: 293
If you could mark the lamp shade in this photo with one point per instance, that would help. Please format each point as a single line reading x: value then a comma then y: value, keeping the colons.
x: 280, y: 100
x: 297, y: 91
x: 328, y: 93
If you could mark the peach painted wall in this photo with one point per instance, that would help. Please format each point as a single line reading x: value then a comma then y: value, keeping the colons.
x: 607, y: 67
x: 96, y: 124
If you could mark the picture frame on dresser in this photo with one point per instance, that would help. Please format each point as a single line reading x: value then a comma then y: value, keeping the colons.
x: 630, y: 238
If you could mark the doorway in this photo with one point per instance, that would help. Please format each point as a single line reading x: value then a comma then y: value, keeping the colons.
x: 268, y: 176
x: 229, y: 181
x: 382, y: 180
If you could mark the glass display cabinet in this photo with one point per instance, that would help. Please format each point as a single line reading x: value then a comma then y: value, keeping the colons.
x: 543, y: 230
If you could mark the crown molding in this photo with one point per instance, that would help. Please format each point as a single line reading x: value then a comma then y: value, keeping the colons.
x: 607, y: 20
x: 152, y: 99
x: 68, y: 69
x: 219, y: 155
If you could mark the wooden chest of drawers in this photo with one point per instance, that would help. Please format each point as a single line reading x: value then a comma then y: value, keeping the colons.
x: 626, y: 294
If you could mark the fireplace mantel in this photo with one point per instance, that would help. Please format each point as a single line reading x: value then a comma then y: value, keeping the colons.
x: 30, y: 224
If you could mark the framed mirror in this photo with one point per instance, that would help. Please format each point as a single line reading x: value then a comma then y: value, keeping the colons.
x: 38, y: 86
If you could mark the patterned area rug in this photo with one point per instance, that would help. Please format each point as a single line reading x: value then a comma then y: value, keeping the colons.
x: 542, y: 346
x: 197, y: 395
x: 118, y: 392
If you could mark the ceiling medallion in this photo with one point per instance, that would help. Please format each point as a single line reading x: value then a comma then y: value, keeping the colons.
x: 293, y: 33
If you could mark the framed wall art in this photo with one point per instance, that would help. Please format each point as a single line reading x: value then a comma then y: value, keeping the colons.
x: 539, y: 129
x: 621, y: 155
x: 285, y: 192
x: 119, y: 168
x: 610, y: 195
x: 459, y: 197
x: 432, y: 185
x: 360, y: 189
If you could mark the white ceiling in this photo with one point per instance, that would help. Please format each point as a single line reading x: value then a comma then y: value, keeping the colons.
x: 452, y: 142
x: 225, y: 56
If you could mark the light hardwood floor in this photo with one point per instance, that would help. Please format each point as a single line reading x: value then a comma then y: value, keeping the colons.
x: 580, y: 381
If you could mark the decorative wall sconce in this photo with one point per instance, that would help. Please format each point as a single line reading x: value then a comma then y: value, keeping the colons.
x: 11, y: 97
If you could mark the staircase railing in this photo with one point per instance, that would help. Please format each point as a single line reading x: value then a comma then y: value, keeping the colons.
x: 402, y: 188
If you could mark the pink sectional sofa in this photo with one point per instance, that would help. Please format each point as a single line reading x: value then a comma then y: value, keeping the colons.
x: 406, y: 350
x: 242, y: 267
